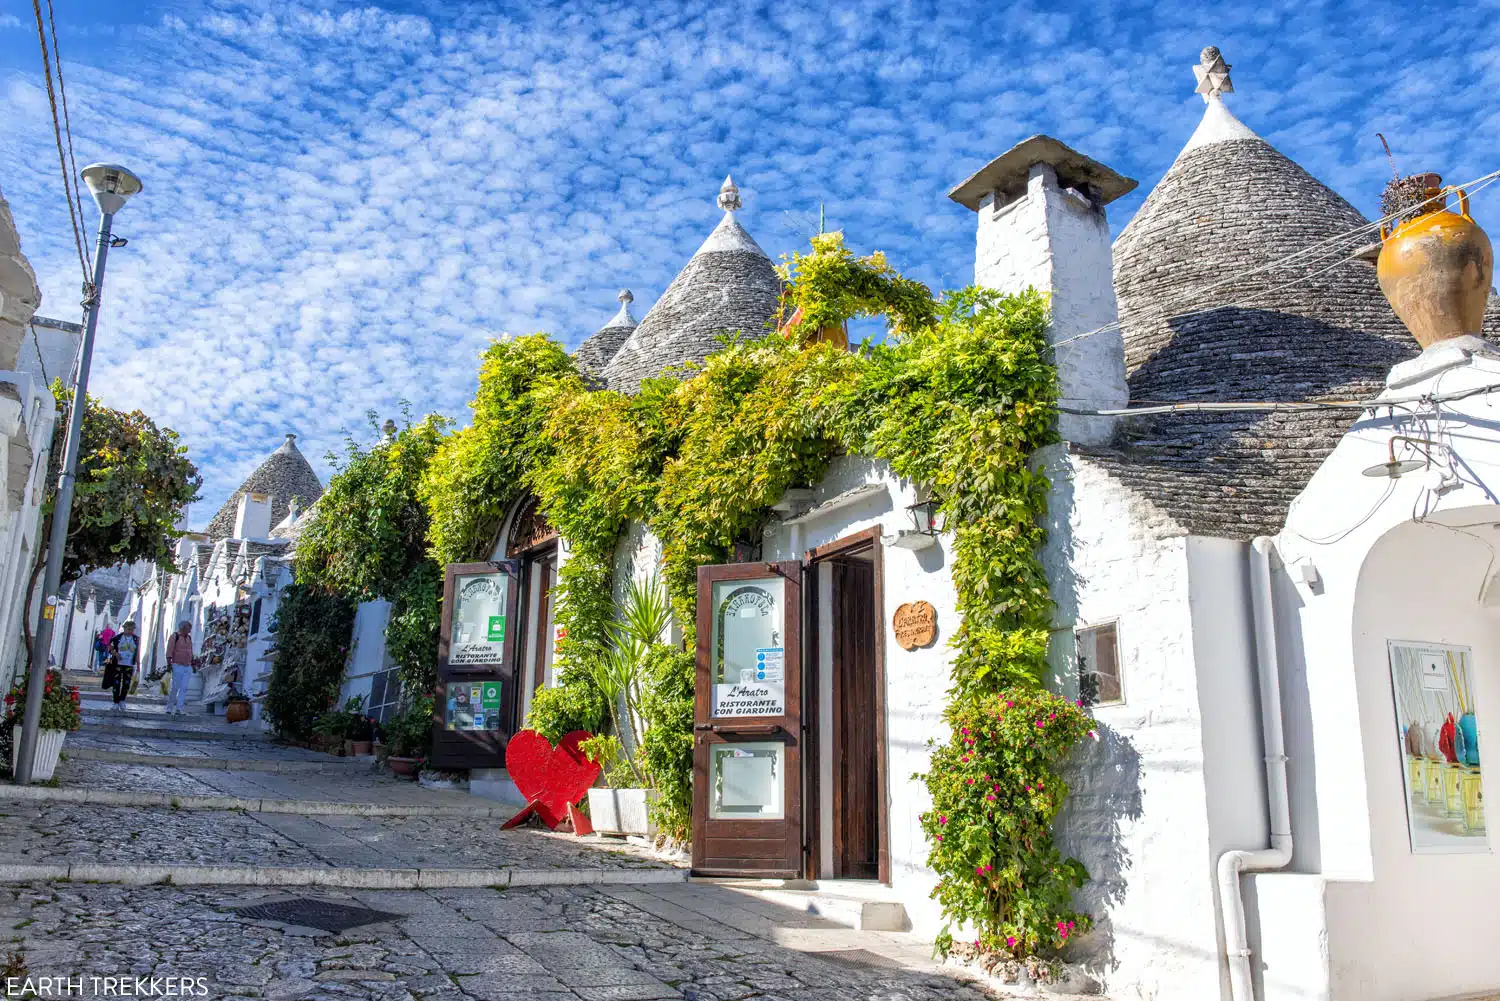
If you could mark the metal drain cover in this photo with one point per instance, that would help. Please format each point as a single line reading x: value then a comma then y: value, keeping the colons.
x: 309, y: 913
x: 858, y: 958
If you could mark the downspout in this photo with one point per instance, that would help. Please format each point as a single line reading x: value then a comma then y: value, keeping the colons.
x: 1279, y: 855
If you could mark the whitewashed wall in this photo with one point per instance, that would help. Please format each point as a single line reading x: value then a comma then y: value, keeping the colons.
x: 1142, y: 815
x: 1360, y: 570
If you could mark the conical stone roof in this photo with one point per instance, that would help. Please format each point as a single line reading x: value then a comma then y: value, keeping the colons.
x: 729, y: 286
x: 1212, y: 311
x: 595, y: 352
x: 285, y: 474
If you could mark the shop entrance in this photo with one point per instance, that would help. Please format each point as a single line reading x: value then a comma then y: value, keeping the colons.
x: 848, y: 728
x: 789, y: 771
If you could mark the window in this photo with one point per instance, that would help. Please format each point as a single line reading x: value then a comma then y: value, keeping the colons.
x: 385, y: 693
x: 1100, y: 680
x: 255, y: 618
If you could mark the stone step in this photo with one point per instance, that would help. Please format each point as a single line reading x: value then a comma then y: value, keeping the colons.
x: 860, y: 904
x: 332, y: 765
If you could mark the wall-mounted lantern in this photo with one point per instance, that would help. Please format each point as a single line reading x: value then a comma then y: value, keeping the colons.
x: 924, y: 516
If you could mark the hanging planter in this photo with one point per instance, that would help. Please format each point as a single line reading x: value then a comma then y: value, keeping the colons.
x: 1435, y: 267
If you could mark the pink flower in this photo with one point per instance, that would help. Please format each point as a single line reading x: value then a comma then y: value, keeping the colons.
x: 970, y: 781
x: 991, y: 797
x: 964, y: 731
x: 940, y: 837
x: 942, y: 820
x: 1010, y: 941
x: 1010, y: 705
x: 1093, y: 734
x: 1040, y: 724
x: 1052, y: 716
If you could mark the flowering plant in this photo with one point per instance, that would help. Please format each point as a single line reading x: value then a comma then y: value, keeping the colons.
x: 59, y: 705
x: 995, y: 792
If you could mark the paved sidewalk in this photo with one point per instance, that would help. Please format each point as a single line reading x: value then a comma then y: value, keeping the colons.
x: 696, y: 943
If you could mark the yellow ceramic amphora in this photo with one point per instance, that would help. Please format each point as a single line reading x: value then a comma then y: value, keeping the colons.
x: 1436, y: 270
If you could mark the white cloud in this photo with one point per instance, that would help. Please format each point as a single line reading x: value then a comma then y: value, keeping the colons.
x: 343, y: 203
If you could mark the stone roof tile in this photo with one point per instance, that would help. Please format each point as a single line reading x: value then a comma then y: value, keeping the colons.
x: 286, y: 474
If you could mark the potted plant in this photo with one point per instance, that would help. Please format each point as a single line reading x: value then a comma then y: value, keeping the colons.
x: 60, y: 714
x: 624, y: 807
x: 408, y: 734
x: 328, y: 732
x: 358, y: 730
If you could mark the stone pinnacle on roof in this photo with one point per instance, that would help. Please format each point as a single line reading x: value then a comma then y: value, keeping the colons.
x: 595, y: 352
x: 729, y: 195
x: 728, y: 288
x: 1213, y: 74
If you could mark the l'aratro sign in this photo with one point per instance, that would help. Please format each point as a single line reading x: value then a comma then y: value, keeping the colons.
x: 915, y: 624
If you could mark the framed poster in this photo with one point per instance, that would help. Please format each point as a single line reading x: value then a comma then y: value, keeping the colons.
x: 1437, y: 727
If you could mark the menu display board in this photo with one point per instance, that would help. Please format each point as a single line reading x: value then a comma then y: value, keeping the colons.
x: 472, y: 705
x: 478, y: 624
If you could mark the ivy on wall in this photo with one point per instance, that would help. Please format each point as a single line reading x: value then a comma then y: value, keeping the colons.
x: 958, y: 398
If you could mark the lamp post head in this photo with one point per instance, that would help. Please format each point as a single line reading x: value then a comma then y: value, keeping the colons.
x: 111, y: 185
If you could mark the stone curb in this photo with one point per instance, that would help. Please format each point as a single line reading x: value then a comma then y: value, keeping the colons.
x: 363, y: 879
x: 336, y: 766
x: 304, y: 807
x: 168, y: 733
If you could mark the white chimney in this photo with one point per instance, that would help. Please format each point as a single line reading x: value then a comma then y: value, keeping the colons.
x: 1042, y: 226
x: 252, y: 520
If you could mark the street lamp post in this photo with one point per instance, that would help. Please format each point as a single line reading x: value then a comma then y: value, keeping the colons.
x: 111, y: 186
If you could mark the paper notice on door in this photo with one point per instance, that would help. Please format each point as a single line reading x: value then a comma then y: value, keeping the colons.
x: 760, y: 698
x: 768, y: 663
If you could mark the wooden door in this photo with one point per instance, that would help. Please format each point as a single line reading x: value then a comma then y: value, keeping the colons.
x: 856, y: 761
x: 747, y: 740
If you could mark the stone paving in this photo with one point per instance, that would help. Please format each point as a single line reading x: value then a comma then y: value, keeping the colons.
x: 536, y: 944
x: 637, y: 942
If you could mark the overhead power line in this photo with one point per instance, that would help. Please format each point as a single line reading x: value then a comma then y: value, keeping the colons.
x: 57, y: 129
x: 62, y: 92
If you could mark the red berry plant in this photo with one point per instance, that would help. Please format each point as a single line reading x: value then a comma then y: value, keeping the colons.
x: 996, y: 789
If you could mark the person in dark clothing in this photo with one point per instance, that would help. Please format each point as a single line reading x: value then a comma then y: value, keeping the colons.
x: 124, y: 650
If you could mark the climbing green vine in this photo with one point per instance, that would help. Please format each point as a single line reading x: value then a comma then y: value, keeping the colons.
x: 957, y: 399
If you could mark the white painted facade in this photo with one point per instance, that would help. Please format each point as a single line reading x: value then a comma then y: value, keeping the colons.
x: 28, y: 415
x: 1366, y: 560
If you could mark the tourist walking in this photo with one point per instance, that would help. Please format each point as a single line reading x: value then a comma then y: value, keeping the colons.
x: 123, y: 651
x: 180, y: 657
x: 101, y: 647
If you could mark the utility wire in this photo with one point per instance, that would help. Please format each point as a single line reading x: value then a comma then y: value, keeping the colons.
x: 1169, y: 306
x: 41, y: 34
x: 62, y: 91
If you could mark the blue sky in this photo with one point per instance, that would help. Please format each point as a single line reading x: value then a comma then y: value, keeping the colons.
x: 345, y: 201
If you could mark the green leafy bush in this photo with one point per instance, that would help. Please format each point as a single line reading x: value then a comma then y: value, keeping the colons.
x: 312, y: 630
x: 574, y: 703
x: 411, y: 634
x: 996, y: 790
x: 667, y: 746
x: 408, y: 734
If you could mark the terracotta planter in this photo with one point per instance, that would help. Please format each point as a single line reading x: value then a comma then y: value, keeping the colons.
x: 49, y: 745
x: 1436, y: 271
x: 325, y: 743
x: 359, y: 748
x: 236, y: 712
x: 405, y: 767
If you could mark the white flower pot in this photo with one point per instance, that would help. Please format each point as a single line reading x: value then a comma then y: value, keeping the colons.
x: 621, y: 811
x: 48, y: 749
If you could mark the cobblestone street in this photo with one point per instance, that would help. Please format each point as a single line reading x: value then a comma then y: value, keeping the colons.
x: 635, y: 939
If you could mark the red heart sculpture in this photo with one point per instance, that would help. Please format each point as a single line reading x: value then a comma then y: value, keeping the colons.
x: 551, y: 778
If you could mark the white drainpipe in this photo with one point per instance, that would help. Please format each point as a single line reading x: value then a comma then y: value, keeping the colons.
x: 1279, y: 855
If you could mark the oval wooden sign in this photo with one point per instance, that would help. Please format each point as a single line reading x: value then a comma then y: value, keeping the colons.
x: 915, y: 624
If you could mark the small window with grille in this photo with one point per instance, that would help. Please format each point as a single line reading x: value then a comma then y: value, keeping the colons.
x: 1100, y: 677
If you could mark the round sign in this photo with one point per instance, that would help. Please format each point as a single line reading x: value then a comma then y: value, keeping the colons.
x: 915, y: 625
